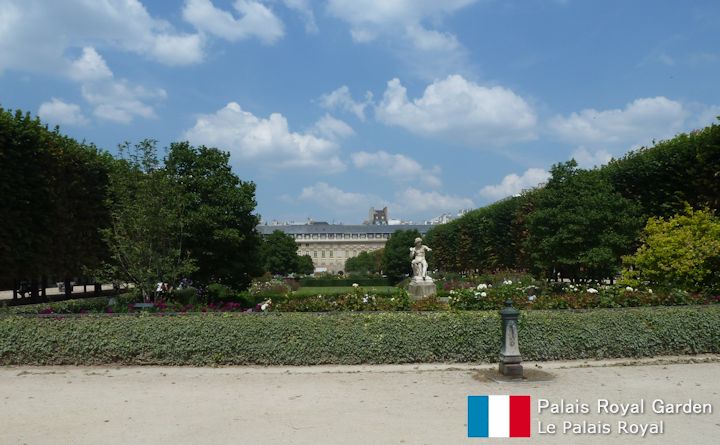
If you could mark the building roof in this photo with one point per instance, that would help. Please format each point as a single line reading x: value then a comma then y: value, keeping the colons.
x: 342, y: 228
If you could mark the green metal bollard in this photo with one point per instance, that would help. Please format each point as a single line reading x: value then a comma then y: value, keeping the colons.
x: 510, y: 359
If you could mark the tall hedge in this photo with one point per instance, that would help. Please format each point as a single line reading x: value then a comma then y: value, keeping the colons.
x: 354, y: 338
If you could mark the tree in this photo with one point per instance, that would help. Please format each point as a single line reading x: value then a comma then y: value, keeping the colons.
x: 221, y: 232
x: 365, y: 263
x: 305, y: 265
x: 279, y: 252
x: 682, y: 251
x: 580, y: 225
x: 52, y: 198
x: 396, y: 259
x: 149, y: 222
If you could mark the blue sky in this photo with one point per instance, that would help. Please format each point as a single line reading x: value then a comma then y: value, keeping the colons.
x: 335, y: 106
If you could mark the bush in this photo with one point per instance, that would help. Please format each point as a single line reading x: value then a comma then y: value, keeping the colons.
x: 353, y: 338
x: 335, y: 282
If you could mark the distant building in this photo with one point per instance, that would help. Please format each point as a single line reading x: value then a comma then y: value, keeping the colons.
x: 378, y: 217
x: 329, y: 245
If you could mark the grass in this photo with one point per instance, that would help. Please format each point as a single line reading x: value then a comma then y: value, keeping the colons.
x: 336, y: 290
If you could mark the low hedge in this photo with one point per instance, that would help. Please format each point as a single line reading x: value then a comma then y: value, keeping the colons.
x: 353, y: 338
x: 335, y: 282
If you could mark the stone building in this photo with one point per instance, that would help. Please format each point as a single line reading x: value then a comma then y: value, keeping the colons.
x: 329, y: 245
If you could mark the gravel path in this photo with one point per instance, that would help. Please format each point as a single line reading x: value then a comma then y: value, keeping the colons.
x: 404, y: 404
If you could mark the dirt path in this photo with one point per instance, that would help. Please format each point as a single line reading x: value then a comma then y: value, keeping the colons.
x: 408, y: 404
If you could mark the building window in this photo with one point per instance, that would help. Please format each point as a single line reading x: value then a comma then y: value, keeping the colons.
x: 354, y: 236
x: 323, y: 253
x: 314, y: 253
x: 331, y: 253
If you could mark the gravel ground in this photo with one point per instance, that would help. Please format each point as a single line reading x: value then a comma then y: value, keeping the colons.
x: 403, y: 404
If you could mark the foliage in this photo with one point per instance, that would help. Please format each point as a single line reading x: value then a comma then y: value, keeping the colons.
x: 337, y: 290
x: 269, y: 288
x: 682, y: 251
x: 396, y: 260
x: 279, y: 252
x: 150, y: 218
x: 353, y: 338
x: 579, y: 226
x: 485, y: 239
x: 673, y: 173
x: 220, y: 230
x: 305, y: 265
x: 365, y: 263
x: 343, y: 281
x: 52, y: 199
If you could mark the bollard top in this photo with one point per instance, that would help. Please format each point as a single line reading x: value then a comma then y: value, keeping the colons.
x: 509, y: 311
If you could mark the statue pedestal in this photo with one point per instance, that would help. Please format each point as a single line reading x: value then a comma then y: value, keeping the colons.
x: 419, y: 288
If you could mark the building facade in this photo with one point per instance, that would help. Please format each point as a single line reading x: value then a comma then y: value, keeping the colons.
x: 330, y: 245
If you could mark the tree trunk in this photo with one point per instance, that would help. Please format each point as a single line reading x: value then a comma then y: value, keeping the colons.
x: 68, y: 288
x: 15, y: 289
x: 34, y: 288
x: 44, y: 285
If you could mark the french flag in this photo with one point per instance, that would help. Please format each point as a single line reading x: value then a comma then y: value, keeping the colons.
x: 498, y: 416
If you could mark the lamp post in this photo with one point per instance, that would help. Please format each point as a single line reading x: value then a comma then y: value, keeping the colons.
x: 510, y: 359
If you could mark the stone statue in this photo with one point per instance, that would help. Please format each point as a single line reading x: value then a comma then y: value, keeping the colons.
x: 419, y: 264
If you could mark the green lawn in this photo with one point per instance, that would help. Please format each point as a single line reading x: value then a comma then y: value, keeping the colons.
x: 335, y: 290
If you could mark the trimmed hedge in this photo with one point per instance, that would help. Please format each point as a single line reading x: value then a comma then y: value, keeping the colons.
x: 335, y: 282
x: 354, y: 338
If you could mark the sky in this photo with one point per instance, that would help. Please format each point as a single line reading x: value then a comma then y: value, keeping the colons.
x: 335, y: 106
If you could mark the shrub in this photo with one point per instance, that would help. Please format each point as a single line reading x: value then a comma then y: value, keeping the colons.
x: 353, y: 338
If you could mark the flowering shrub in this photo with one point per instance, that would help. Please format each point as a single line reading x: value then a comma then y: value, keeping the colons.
x: 269, y: 288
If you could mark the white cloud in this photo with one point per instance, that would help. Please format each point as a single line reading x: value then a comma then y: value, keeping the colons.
x: 397, y: 167
x: 342, y: 99
x: 369, y: 18
x: 255, y: 20
x: 35, y: 35
x: 409, y: 202
x: 707, y: 115
x: 61, y: 113
x: 587, y: 159
x: 412, y: 201
x: 638, y: 123
x: 333, y: 197
x: 513, y: 184
x: 119, y: 101
x: 457, y: 109
x: 89, y: 66
x: 305, y: 10
x: 267, y: 141
x: 403, y: 26
x: 332, y: 128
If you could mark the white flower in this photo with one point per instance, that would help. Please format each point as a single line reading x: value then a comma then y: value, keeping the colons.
x: 355, y: 285
x: 264, y: 307
x: 592, y: 291
x: 483, y: 294
x: 452, y: 292
x: 531, y: 297
x: 629, y: 289
x: 649, y: 291
x: 507, y: 282
x: 482, y: 286
x: 365, y: 299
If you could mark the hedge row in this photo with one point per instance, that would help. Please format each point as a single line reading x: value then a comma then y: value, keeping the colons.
x: 333, y: 282
x: 354, y: 338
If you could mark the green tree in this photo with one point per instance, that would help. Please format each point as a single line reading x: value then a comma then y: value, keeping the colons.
x: 279, y: 252
x: 52, y: 198
x: 396, y: 256
x: 149, y: 222
x: 305, y: 265
x: 365, y: 263
x: 580, y: 226
x: 221, y: 232
x: 682, y: 251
